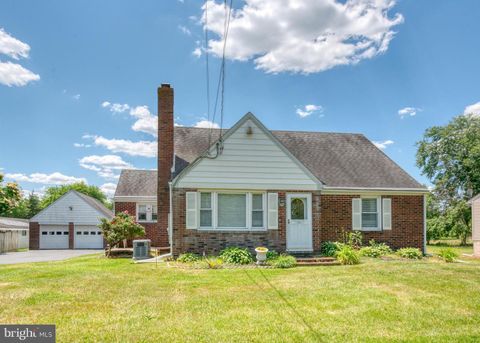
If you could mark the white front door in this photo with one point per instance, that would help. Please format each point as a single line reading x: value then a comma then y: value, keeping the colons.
x: 299, y: 222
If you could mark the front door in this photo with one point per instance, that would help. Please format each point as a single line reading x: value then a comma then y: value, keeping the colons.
x: 299, y: 222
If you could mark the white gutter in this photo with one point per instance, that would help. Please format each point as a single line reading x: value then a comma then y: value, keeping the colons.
x: 424, y: 224
x: 170, y: 217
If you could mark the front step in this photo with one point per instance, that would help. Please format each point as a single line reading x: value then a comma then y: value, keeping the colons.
x: 317, y: 261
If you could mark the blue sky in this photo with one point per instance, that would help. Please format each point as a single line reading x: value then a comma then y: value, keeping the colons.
x: 75, y: 77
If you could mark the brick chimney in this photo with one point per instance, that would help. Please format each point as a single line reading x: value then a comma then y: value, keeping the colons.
x: 165, y: 157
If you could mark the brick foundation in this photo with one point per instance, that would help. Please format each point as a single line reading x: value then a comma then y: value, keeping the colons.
x: 331, y: 215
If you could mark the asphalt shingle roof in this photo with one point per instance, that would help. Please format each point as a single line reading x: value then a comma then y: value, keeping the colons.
x: 336, y: 159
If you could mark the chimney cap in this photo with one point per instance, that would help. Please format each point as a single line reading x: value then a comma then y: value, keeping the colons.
x: 165, y: 85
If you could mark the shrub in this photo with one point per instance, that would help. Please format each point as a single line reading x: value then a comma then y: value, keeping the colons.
x: 235, y: 255
x: 348, y: 255
x: 188, y: 258
x: 375, y: 250
x: 448, y: 254
x: 283, y: 261
x: 271, y: 255
x: 212, y: 262
x: 411, y: 253
x: 329, y: 248
x: 354, y: 239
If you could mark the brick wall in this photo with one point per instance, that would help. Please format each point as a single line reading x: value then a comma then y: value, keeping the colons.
x: 331, y: 214
x: 71, y: 236
x: 34, y: 235
x: 159, y: 237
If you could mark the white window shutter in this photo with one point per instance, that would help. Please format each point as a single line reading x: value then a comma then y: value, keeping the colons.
x: 387, y: 213
x: 357, y: 214
x: 191, y: 209
x: 273, y: 211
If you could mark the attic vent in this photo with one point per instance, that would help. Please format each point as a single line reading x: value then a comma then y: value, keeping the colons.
x: 249, y: 130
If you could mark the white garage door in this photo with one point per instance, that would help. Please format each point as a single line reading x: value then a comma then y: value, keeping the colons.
x: 88, y: 237
x: 53, y: 237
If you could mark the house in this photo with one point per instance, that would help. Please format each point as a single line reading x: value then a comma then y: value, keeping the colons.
x: 287, y: 190
x: 475, y: 203
x: 69, y: 223
x: 16, y: 231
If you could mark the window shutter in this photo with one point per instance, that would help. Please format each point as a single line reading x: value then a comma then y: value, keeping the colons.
x: 387, y: 213
x: 191, y: 209
x: 356, y: 214
x: 273, y: 211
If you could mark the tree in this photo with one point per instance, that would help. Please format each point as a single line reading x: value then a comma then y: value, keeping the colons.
x: 10, y: 196
x: 450, y: 157
x: 53, y: 193
x: 121, y: 227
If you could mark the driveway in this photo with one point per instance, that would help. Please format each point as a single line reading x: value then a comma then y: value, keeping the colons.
x: 43, y: 255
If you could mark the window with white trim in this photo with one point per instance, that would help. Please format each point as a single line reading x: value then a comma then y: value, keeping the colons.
x: 206, y: 210
x: 370, y: 210
x: 257, y: 210
x: 146, y: 213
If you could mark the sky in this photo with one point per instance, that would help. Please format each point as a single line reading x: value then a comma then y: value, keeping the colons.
x: 78, y: 79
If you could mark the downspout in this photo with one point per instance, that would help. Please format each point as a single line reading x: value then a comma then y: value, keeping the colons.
x: 170, y: 217
x: 424, y: 224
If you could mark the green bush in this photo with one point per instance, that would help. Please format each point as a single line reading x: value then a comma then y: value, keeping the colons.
x: 375, y: 250
x: 330, y: 248
x: 271, y: 255
x: 188, y: 258
x: 448, y: 254
x: 283, y: 261
x: 235, y: 255
x: 411, y: 253
x: 348, y: 255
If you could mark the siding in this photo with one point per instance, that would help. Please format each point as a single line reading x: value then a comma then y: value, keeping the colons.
x: 252, y: 161
x: 59, y: 212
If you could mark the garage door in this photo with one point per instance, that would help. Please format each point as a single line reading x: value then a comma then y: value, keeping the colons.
x: 88, y: 237
x: 54, y: 237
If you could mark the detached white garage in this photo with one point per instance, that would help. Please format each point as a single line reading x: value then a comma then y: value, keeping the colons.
x: 69, y: 223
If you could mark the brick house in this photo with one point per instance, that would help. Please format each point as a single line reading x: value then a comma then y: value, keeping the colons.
x: 286, y: 190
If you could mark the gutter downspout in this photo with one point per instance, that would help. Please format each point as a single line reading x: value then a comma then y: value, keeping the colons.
x: 170, y: 217
x: 424, y: 224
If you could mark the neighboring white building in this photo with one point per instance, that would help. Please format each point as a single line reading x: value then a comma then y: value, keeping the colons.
x: 71, y: 222
x: 475, y: 202
x: 17, y: 233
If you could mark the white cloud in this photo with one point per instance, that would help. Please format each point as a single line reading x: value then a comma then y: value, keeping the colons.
x: 115, y: 107
x: 473, y: 109
x: 146, y: 121
x: 197, y: 52
x: 81, y: 145
x: 207, y: 124
x: 185, y: 30
x: 408, y: 112
x: 76, y: 97
x: 105, y: 165
x: 108, y: 189
x: 140, y: 148
x: 47, y: 179
x: 12, y: 47
x: 12, y: 74
x: 307, y: 110
x: 383, y: 145
x: 303, y: 36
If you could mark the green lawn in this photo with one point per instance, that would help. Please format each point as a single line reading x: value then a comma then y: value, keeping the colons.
x: 93, y: 299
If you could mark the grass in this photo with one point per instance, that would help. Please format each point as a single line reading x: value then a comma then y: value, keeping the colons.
x: 93, y: 299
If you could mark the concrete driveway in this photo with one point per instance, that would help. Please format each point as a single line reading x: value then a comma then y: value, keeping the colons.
x: 43, y: 255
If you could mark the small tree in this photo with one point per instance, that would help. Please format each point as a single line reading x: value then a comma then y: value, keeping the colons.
x: 10, y: 196
x: 122, y: 226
